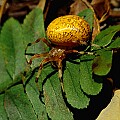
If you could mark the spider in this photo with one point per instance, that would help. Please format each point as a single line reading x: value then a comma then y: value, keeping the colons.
x: 65, y: 33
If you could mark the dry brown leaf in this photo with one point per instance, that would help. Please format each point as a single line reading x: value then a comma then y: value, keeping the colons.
x: 102, y: 9
x: 115, y: 3
x: 2, y: 6
x: 77, y: 7
x: 41, y: 4
x: 112, y: 111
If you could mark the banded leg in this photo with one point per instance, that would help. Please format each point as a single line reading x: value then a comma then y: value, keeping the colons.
x: 37, y: 56
x: 79, y: 52
x: 46, y: 60
x: 60, y: 73
x: 36, y: 41
x: 60, y: 69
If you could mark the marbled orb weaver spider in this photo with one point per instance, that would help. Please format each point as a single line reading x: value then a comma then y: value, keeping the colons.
x: 65, y: 34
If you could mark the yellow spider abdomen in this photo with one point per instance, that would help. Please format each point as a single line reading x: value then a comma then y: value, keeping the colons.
x: 68, y: 31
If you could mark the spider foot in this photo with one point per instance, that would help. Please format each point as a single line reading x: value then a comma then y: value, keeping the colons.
x: 36, y: 80
x: 29, y: 62
x: 29, y: 44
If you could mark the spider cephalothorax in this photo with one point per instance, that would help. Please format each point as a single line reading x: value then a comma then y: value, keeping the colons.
x: 65, y: 33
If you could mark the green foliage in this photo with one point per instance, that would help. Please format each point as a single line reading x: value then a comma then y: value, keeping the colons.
x: 74, y: 94
x: 14, y: 37
x: 102, y: 63
x: 11, y: 52
x: 89, y: 84
x: 115, y: 43
x: 103, y: 45
x: 88, y: 15
x: 81, y: 77
x: 105, y: 37
x: 17, y: 104
x: 54, y: 102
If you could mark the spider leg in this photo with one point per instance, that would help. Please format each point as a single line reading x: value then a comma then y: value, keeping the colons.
x: 46, y: 60
x: 44, y: 40
x: 50, y: 59
x: 37, y: 56
x: 79, y: 52
x: 60, y: 69
x: 60, y: 73
x: 36, y: 41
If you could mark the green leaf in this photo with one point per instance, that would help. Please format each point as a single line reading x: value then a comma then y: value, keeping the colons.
x: 105, y: 36
x: 72, y: 87
x: 102, y: 63
x: 115, y: 43
x: 17, y: 104
x: 33, y: 28
x: 12, y: 47
x: 3, y: 114
x: 12, y: 52
x: 5, y: 79
x: 88, y: 84
x: 88, y: 16
x: 33, y: 95
x: 54, y: 102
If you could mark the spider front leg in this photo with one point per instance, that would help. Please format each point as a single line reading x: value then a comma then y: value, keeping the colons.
x: 36, y: 41
x: 37, y: 56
